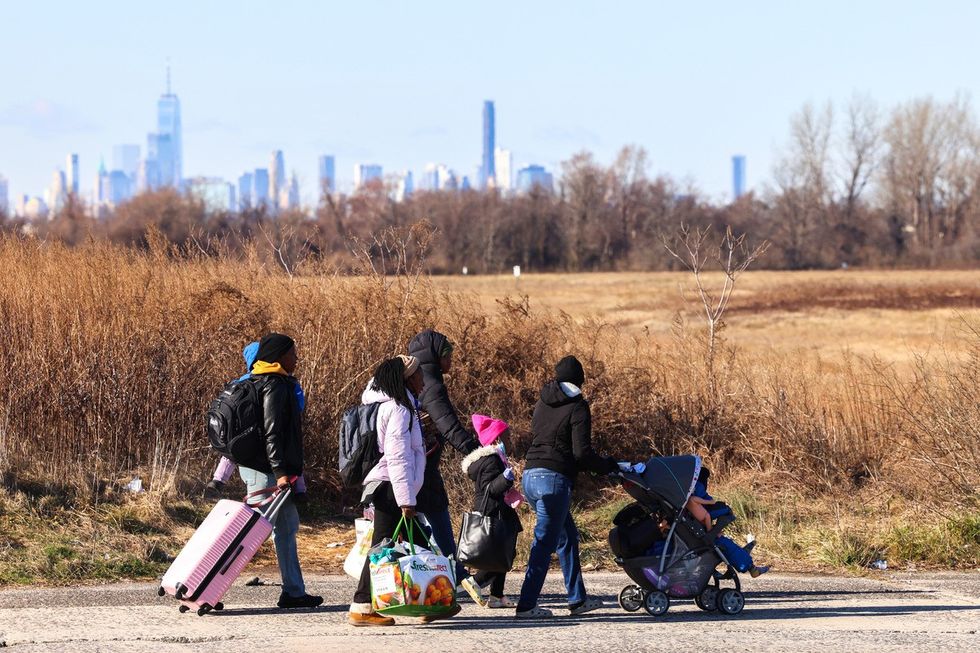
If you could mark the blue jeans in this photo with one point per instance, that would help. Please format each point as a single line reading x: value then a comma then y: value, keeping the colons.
x: 283, y: 533
x: 550, y: 493
x: 442, y: 533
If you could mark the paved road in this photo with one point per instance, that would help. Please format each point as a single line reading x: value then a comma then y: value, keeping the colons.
x: 928, y: 612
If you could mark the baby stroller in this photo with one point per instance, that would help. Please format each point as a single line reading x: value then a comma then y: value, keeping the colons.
x: 684, y: 562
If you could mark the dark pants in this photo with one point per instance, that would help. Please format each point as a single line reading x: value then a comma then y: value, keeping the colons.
x: 494, y: 579
x: 387, y: 514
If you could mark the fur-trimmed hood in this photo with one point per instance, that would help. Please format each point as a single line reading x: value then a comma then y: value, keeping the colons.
x: 476, y: 454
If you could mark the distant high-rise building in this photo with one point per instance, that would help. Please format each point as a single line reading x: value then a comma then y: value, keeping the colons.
x: 277, y: 177
x: 327, y: 176
x: 57, y: 192
x: 289, y: 195
x: 534, y: 176
x: 171, y: 152
x: 148, y: 177
x: 503, y: 163
x: 216, y: 194
x: 160, y: 150
x: 403, y: 185
x: 488, y: 171
x: 127, y: 159
x: 260, y: 188
x: 102, y: 192
x: 34, y: 208
x: 71, y: 177
x: 245, y: 191
x: 120, y: 188
x: 365, y: 172
x: 738, y: 175
x: 4, y: 196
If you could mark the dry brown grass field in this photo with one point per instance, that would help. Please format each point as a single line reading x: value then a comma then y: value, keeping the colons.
x: 893, y: 315
x: 840, y: 415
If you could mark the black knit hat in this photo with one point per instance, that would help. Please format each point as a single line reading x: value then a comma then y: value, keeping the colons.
x: 273, y: 346
x: 570, y: 370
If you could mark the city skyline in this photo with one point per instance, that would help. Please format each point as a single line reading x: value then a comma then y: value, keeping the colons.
x: 692, y: 85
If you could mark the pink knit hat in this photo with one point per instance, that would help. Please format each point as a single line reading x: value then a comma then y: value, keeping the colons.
x: 488, y: 429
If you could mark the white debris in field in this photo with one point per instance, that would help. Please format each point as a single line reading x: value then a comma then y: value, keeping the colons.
x: 135, y: 485
x: 334, y: 545
x: 880, y: 565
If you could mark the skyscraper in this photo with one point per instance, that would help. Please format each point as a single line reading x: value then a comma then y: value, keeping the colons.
x: 738, y: 176
x: 503, y: 162
x: 289, y: 195
x: 120, y: 188
x: 160, y: 151
x: 277, y: 177
x: 171, y: 153
x: 4, y: 197
x: 328, y: 180
x: 260, y: 188
x: 72, y: 174
x: 127, y: 159
x: 365, y: 172
x: 534, y: 176
x: 100, y: 194
x: 488, y: 171
x: 57, y: 192
x: 245, y: 191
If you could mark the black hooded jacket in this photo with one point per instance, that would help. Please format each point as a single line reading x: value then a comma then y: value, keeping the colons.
x: 282, y: 431
x: 561, y: 435
x: 486, y: 470
x: 434, y: 399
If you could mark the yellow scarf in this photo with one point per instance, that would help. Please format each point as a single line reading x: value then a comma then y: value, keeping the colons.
x: 261, y: 367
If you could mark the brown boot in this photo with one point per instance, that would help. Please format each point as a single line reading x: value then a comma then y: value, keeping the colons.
x: 370, y: 619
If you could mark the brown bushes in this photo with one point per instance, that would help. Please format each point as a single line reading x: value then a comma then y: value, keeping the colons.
x: 112, y: 355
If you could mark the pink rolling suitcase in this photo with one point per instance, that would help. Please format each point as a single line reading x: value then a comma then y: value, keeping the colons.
x: 218, y: 551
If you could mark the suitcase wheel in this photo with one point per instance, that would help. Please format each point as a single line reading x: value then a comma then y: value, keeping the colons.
x: 203, y: 610
x: 161, y: 591
x: 219, y: 606
x: 183, y: 609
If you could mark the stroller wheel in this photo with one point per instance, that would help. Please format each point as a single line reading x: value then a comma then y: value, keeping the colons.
x: 656, y: 603
x: 730, y: 601
x: 707, y: 600
x: 631, y: 598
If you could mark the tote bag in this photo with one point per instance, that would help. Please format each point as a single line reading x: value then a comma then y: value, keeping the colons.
x: 487, y: 543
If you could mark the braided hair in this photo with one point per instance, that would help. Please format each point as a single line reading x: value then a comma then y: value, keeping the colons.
x: 389, y: 378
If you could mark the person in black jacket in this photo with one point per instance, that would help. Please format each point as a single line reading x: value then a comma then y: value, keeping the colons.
x: 282, y: 458
x: 561, y: 446
x: 493, y: 493
x: 435, y: 355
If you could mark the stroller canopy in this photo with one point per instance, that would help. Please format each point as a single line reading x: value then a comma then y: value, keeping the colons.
x: 672, y: 477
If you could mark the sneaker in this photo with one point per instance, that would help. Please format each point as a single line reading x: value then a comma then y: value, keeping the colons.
x: 755, y: 572
x: 588, y: 605
x: 369, y: 619
x: 429, y: 618
x: 288, y: 602
x: 534, y: 613
x: 213, y: 489
x: 473, y: 590
x: 500, y: 602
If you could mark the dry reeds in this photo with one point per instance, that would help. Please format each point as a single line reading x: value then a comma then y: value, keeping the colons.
x: 112, y: 356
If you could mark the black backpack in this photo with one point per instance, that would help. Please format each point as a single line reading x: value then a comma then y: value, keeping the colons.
x: 358, y: 443
x: 234, y: 421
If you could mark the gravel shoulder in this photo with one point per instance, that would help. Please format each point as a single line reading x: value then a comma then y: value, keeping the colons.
x: 888, y: 612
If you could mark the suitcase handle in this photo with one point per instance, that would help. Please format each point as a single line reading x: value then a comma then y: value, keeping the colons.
x: 238, y: 552
x: 272, y: 491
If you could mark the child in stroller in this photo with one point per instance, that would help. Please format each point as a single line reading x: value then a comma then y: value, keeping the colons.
x: 681, y: 560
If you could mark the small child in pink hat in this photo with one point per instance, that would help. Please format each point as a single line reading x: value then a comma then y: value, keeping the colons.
x: 495, y: 495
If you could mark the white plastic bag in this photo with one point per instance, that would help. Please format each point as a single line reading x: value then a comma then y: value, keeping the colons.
x: 354, y: 563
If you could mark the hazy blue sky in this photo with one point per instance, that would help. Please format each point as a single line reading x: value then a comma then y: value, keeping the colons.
x: 402, y: 83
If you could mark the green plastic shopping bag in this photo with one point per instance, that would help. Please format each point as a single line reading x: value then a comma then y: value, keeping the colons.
x: 419, y: 584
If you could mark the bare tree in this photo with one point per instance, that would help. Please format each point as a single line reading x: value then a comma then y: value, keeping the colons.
x: 693, y: 250
x: 860, y: 151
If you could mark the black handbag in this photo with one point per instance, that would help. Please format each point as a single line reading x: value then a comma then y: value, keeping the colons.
x: 487, y: 543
